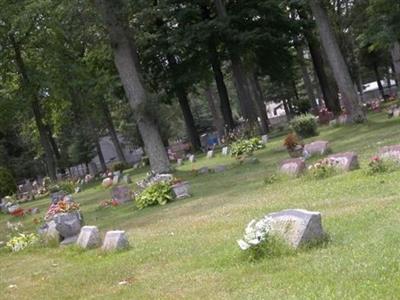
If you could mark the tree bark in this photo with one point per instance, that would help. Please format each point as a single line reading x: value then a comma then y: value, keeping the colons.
x: 101, y: 156
x: 221, y: 87
x: 340, y: 70
x: 113, y: 134
x: 306, y: 77
x: 378, y: 80
x: 128, y: 66
x: 395, y: 53
x: 189, y: 120
x: 217, y: 118
x: 31, y: 93
x: 329, y: 91
x: 258, y: 96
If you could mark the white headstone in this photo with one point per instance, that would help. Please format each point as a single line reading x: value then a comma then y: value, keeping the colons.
x: 316, y: 148
x: 89, y: 237
x: 179, y: 161
x: 210, y: 154
x: 225, y: 151
x: 192, y: 158
x: 264, y: 139
x: 115, y: 240
x: 220, y: 169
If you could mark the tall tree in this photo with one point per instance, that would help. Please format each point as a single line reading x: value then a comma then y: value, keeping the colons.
x: 340, y: 70
x: 128, y: 65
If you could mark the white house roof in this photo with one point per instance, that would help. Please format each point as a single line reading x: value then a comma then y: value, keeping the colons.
x: 373, y: 86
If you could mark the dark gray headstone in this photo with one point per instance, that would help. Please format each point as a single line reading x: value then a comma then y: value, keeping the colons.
x: 121, y: 194
x: 68, y: 224
x: 203, y: 170
x: 220, y: 169
x: 181, y: 190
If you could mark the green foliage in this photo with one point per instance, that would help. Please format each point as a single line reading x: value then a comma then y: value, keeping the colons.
x: 8, y: 185
x: 246, y: 147
x: 272, y: 247
x: 377, y: 165
x: 119, y: 166
x: 304, y: 125
x: 322, y: 169
x: 22, y: 241
x: 158, y: 193
x: 291, y: 141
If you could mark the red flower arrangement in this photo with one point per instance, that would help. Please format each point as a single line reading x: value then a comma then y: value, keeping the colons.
x: 19, y: 212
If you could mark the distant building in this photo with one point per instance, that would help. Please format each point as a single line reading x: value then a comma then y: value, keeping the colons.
x: 371, y: 90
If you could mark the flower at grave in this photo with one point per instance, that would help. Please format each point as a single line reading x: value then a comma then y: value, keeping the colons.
x: 19, y: 212
x: 256, y: 233
x: 21, y: 241
x: 63, y: 206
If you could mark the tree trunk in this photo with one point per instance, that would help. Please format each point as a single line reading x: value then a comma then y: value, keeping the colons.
x: 128, y: 66
x: 101, y: 156
x: 395, y: 52
x: 53, y: 143
x: 329, y: 91
x: 306, y: 77
x: 217, y: 119
x: 246, y: 102
x: 378, y: 80
x: 221, y: 87
x: 113, y: 134
x: 340, y: 70
x: 31, y: 93
x: 258, y: 96
x: 189, y: 120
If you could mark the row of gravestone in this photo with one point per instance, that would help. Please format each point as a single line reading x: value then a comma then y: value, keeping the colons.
x: 211, y: 153
x: 345, y: 161
x: 89, y: 238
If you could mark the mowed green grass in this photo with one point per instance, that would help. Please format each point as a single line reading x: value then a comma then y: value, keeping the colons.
x: 187, y: 249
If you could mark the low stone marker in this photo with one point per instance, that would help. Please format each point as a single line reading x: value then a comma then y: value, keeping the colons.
x: 69, y: 226
x: 50, y: 232
x: 203, y: 170
x: 293, y: 166
x: 179, y: 161
x: 121, y: 194
x: 192, y: 158
x: 249, y: 161
x: 220, y: 169
x: 296, y: 226
x: 116, y: 179
x: 396, y: 112
x: 225, y: 151
x: 115, y: 240
x: 107, y: 182
x: 316, y: 148
x: 390, y: 152
x: 345, y: 161
x: 264, y: 139
x: 126, y: 179
x: 89, y: 237
x: 210, y: 154
x: 181, y: 190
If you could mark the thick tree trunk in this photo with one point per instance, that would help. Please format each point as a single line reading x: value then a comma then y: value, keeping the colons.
x: 113, y: 134
x: 100, y: 155
x: 189, y: 120
x: 128, y: 66
x: 306, y: 77
x: 340, y: 70
x: 395, y: 52
x: 217, y: 118
x: 258, y: 96
x: 378, y: 80
x: 328, y: 90
x: 221, y: 87
x: 53, y: 143
x: 31, y: 93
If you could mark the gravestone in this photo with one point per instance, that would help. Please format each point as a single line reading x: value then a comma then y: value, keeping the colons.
x: 93, y: 169
x: 49, y: 232
x: 89, y: 237
x: 203, y: 170
x: 225, y: 151
x: 115, y: 240
x: 396, y: 112
x: 210, y: 154
x: 390, y: 152
x: 116, y: 179
x: 121, y: 194
x: 264, y: 139
x: 345, y: 161
x: 192, y: 158
x: 181, y: 190
x: 249, y: 160
x: 179, y: 161
x: 296, y: 226
x: 68, y: 224
x: 55, y: 197
x: 293, y: 167
x: 316, y: 148
x: 126, y: 179
x: 220, y: 169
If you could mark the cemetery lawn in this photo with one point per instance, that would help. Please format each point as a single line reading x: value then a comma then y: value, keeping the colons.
x: 187, y: 249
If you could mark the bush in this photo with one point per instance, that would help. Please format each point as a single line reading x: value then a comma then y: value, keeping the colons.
x: 323, y: 169
x: 157, y: 193
x: 22, y: 241
x: 246, y: 147
x: 119, y: 166
x: 304, y: 125
x: 377, y: 165
x: 8, y: 185
x: 291, y: 142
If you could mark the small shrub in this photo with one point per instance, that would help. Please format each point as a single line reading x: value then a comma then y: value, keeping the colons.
x: 67, y: 186
x: 8, y: 185
x: 304, y: 125
x: 291, y: 142
x: 270, y: 179
x: 119, y: 166
x: 377, y: 165
x: 22, y: 241
x: 157, y: 193
x: 246, y: 146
